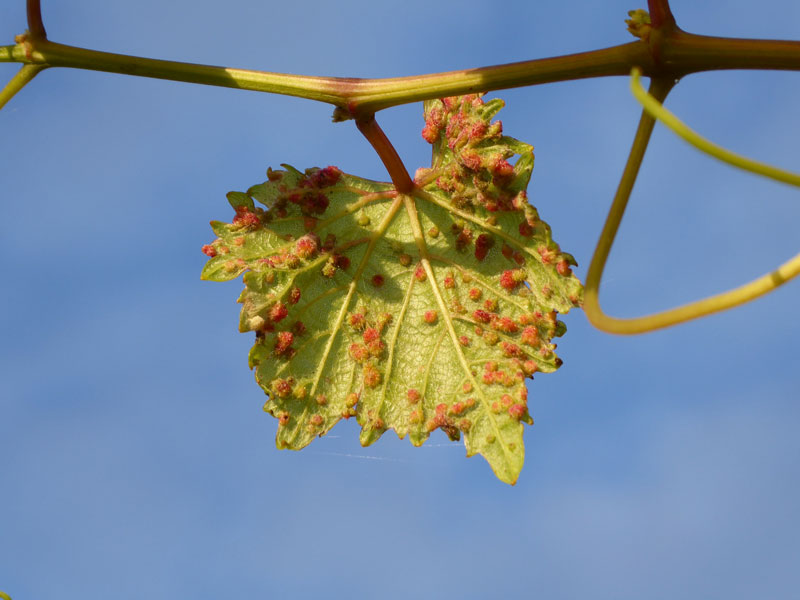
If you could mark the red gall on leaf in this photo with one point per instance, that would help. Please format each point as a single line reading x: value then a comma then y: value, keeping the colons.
x: 431, y: 316
x: 283, y: 345
x: 278, y: 312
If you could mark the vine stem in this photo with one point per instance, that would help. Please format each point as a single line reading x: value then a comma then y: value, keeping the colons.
x: 19, y: 81
x: 660, y: 14
x: 35, y: 23
x: 653, y: 109
x: 679, y: 53
x: 386, y: 151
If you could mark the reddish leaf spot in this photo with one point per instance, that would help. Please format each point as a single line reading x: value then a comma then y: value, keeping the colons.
x: 471, y: 159
x: 284, y: 342
x: 341, y: 262
x: 548, y: 254
x: 501, y: 168
x: 282, y: 387
x: 326, y: 177
x: 530, y: 336
x: 385, y: 319
x: 357, y: 320
x: 246, y: 218
x: 481, y: 316
x: 505, y: 325
x: 526, y: 319
x: 209, y: 251
x: 372, y: 377
x: 463, y: 238
x: 430, y: 316
x: 278, y: 312
x: 517, y: 411
x: 512, y: 278
x: 358, y: 352
x: 377, y: 280
x: 477, y: 131
x: 307, y: 246
x: 482, y: 246
x: 458, y: 408
x: 430, y: 134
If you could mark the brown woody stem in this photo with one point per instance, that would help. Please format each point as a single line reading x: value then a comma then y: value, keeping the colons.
x: 660, y: 14
x: 35, y: 23
x: 397, y: 170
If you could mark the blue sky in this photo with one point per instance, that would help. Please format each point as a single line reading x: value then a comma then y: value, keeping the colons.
x: 135, y: 458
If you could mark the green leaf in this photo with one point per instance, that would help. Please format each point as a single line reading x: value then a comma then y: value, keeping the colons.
x: 409, y: 312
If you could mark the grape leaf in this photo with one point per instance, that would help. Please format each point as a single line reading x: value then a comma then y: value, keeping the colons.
x: 409, y: 312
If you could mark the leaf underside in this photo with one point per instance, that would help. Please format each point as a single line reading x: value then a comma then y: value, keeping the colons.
x: 409, y: 312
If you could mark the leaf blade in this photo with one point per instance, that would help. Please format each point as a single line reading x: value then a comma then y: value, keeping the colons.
x: 414, y: 320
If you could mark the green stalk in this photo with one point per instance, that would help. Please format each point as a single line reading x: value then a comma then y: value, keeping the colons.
x: 653, y: 109
x: 659, y: 88
x: 19, y: 81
